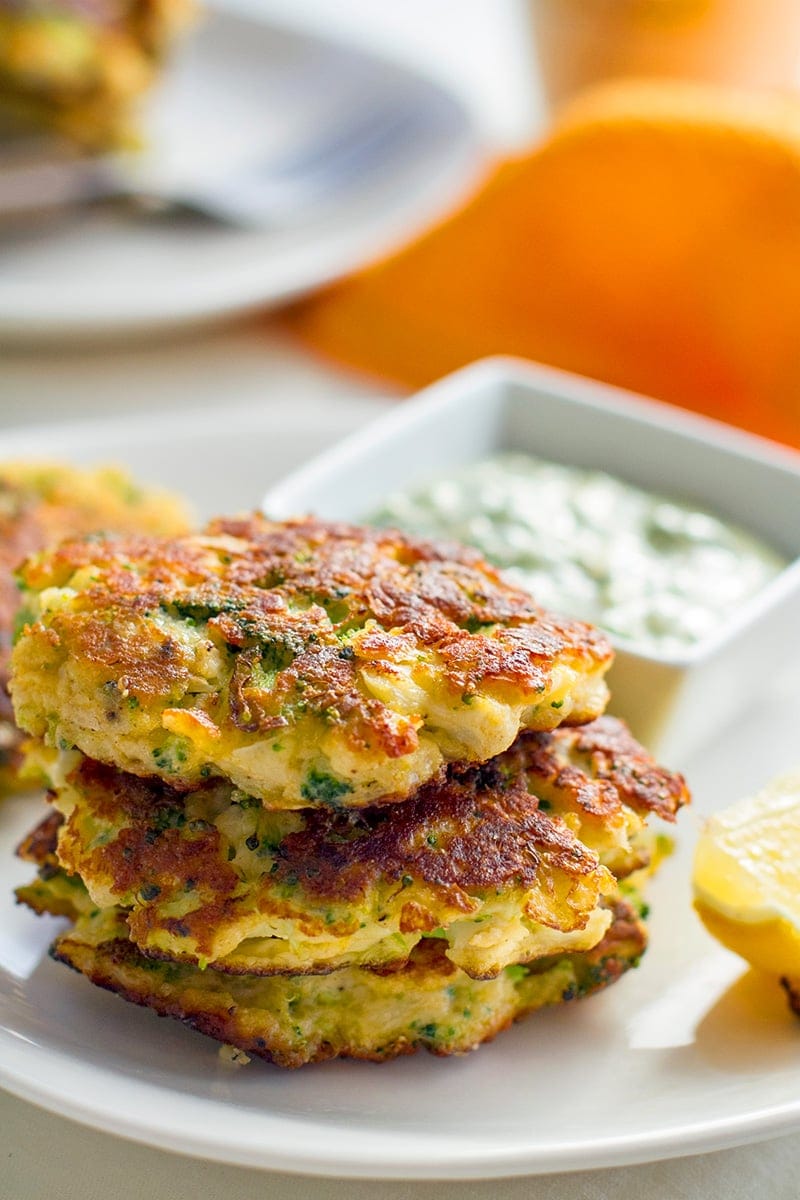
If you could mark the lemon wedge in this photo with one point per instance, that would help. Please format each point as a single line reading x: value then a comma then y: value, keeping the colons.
x: 747, y: 877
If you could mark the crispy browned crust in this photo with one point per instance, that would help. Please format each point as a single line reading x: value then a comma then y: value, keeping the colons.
x: 469, y: 833
x: 40, y: 845
x: 292, y: 589
x: 493, y: 834
x: 477, y: 831
x: 34, y: 515
x: 40, y: 506
x: 600, y: 767
x: 492, y: 837
x: 226, y: 1013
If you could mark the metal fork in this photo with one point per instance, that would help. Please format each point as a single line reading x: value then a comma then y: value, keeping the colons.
x: 277, y: 191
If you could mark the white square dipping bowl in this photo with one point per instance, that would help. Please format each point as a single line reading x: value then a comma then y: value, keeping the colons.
x: 673, y: 702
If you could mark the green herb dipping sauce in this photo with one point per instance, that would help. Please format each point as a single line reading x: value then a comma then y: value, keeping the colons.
x: 658, y: 572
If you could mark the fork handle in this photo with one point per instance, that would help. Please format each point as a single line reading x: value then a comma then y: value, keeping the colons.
x: 47, y: 186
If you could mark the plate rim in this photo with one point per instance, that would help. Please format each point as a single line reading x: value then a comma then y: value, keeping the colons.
x: 299, y: 1155
x: 26, y: 315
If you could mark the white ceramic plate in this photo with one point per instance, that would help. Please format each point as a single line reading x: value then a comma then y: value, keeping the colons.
x: 684, y: 1055
x: 241, y: 90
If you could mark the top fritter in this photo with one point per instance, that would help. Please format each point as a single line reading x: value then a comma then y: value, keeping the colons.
x: 308, y: 663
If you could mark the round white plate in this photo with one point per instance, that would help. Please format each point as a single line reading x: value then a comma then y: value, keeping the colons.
x: 688, y: 1053
x: 243, y: 91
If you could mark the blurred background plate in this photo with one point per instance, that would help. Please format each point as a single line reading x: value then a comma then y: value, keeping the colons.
x: 243, y: 87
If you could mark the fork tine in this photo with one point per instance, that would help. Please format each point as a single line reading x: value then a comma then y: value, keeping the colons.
x: 43, y: 177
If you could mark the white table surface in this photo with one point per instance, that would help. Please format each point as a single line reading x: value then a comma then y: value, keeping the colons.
x: 479, y: 47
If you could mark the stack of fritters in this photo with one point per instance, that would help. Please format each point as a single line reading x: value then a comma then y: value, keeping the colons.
x: 41, y: 503
x: 323, y: 790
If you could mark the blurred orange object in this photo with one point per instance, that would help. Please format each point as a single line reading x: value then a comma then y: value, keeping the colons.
x: 652, y: 241
x: 749, y: 43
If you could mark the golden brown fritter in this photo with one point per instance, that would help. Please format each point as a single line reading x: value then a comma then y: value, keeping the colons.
x: 40, y: 845
x: 40, y: 504
x: 606, y: 779
x: 222, y: 881
x: 352, y: 1013
x: 310, y: 664
x: 76, y: 68
x: 488, y: 858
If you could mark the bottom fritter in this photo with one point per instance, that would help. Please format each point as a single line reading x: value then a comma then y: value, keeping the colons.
x: 352, y: 1012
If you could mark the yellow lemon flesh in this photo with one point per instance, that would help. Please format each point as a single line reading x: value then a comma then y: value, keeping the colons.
x: 747, y: 877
